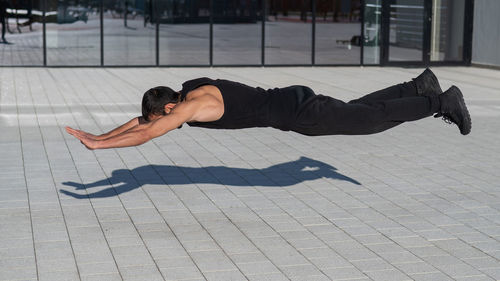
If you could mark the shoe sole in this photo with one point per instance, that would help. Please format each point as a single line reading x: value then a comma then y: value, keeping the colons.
x: 467, y: 126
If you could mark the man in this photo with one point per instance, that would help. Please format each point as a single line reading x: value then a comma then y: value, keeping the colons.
x: 3, y: 18
x: 224, y: 104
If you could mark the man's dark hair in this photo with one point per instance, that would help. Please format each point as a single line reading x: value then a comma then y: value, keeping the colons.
x: 155, y: 99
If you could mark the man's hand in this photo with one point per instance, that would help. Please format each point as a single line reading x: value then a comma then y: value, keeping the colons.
x: 77, y: 133
x: 89, y: 143
x: 89, y: 140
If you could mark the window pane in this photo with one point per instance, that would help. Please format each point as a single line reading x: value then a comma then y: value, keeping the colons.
x: 184, y: 32
x: 288, y: 32
x: 447, y: 30
x: 373, y: 18
x: 73, y: 32
x: 24, y: 41
x: 338, y: 32
x: 237, y: 32
x: 406, y: 30
x: 129, y: 39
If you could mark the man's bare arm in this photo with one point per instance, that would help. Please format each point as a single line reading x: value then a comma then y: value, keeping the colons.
x: 127, y: 126
x: 135, y: 122
x: 142, y: 133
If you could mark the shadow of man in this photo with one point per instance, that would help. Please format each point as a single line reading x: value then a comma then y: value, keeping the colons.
x: 284, y: 174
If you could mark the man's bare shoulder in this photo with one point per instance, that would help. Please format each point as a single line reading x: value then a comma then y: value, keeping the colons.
x: 204, y: 103
x: 203, y: 91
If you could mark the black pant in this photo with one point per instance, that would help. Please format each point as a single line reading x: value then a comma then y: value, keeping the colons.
x: 370, y: 114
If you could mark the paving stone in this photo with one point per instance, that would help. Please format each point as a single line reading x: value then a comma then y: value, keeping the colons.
x: 343, y: 273
x: 311, y: 277
x: 58, y: 275
x: 430, y: 251
x: 475, y: 277
x: 416, y: 268
x: 98, y: 277
x: 167, y: 252
x: 225, y: 275
x: 482, y: 262
x: 434, y: 276
x: 181, y: 273
x: 493, y: 272
x: 387, y: 275
x: 248, y: 257
x: 97, y: 268
x: 19, y: 273
x: 212, y: 261
x: 253, y: 268
x: 268, y: 277
x: 236, y: 244
x: 48, y: 265
x: 300, y: 270
x: 140, y: 272
x: 372, y: 265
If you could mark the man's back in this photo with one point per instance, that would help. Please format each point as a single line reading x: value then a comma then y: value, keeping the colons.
x: 246, y: 106
x: 211, y: 103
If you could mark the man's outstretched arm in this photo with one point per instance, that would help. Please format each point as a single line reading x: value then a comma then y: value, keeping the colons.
x: 118, y: 130
x: 140, y: 134
x: 127, y: 126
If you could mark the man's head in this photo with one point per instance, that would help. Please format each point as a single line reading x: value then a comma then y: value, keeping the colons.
x: 158, y: 101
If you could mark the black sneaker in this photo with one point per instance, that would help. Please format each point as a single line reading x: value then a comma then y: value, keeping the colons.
x: 454, y: 110
x: 427, y: 84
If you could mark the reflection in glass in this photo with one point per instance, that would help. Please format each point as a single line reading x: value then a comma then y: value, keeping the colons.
x: 22, y: 29
x: 406, y: 30
x: 373, y: 17
x: 73, y: 32
x: 129, y: 39
x: 447, y: 30
x: 184, y: 31
x: 237, y: 32
x: 338, y: 32
x: 288, y: 32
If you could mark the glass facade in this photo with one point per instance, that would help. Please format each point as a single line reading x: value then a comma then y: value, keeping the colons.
x: 288, y: 32
x: 184, y: 31
x: 129, y: 39
x: 237, y: 32
x: 338, y: 32
x: 406, y: 30
x: 231, y: 32
x: 73, y: 32
x: 371, y: 31
x: 23, y: 31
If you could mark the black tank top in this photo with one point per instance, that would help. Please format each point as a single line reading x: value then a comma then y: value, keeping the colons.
x: 246, y: 107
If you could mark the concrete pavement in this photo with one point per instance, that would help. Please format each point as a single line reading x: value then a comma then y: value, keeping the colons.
x: 418, y: 202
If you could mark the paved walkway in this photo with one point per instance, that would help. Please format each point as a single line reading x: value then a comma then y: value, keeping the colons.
x: 418, y: 202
